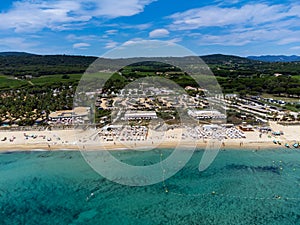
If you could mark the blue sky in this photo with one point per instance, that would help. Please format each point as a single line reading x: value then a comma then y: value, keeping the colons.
x: 93, y: 27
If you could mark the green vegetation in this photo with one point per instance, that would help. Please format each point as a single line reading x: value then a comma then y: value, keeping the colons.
x: 237, y: 75
x: 55, y: 79
x: 233, y: 66
x: 287, y: 99
x: 297, y: 77
x: 11, y: 83
x: 36, y: 65
x: 280, y: 86
x: 32, y: 86
x: 27, y: 105
x: 7, y: 82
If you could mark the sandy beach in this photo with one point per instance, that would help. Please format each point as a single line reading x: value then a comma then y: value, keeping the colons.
x: 89, y: 140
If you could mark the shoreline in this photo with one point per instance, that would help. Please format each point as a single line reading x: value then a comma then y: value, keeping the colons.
x: 258, y: 146
x: 76, y: 140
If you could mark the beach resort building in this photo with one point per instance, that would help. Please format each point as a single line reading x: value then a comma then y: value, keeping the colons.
x: 68, y: 117
x: 206, y: 114
x: 246, y: 127
x: 140, y: 115
x: 231, y: 96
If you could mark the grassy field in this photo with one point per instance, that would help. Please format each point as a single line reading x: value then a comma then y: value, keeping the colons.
x: 52, y: 79
x: 7, y: 82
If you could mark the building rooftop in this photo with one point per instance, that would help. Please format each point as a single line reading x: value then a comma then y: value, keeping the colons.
x: 76, y: 112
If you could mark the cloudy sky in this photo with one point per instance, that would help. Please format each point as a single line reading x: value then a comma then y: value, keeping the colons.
x: 93, y: 27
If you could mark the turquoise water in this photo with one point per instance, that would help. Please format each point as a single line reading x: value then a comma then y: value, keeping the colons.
x: 240, y: 187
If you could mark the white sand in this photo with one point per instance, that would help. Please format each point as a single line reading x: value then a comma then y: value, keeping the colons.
x: 77, y: 140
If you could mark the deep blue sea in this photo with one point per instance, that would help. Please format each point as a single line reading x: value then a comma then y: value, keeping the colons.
x: 240, y: 187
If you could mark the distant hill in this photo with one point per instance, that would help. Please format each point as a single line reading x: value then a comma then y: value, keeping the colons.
x: 275, y: 58
x: 19, y: 64
x: 16, y: 54
x: 22, y: 63
x: 225, y: 59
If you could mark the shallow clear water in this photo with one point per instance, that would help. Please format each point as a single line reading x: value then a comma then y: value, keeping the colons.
x: 240, y: 187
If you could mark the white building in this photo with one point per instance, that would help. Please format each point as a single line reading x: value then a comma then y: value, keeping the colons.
x: 78, y: 114
x: 140, y: 115
x: 211, y: 127
x: 206, y: 114
x: 231, y: 96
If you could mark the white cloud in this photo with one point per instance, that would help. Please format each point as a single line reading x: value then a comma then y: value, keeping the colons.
x: 136, y: 41
x: 159, y: 33
x: 226, y: 2
x: 277, y: 36
x: 117, y: 8
x: 142, y: 26
x: 133, y: 41
x: 295, y: 48
x: 111, y: 44
x: 81, y: 45
x: 175, y: 40
x: 238, y: 26
x: 16, y: 43
x: 73, y: 37
x: 31, y: 16
x: 295, y: 38
x: 250, y: 15
x: 111, y: 32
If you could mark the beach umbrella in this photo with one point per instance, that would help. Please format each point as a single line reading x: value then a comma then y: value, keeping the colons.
x: 287, y: 145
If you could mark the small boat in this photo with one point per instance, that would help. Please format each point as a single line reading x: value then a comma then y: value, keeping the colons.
x: 279, y: 142
x: 287, y: 145
x: 296, y: 145
x: 274, y: 141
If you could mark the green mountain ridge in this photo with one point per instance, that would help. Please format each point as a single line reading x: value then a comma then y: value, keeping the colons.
x: 19, y: 64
